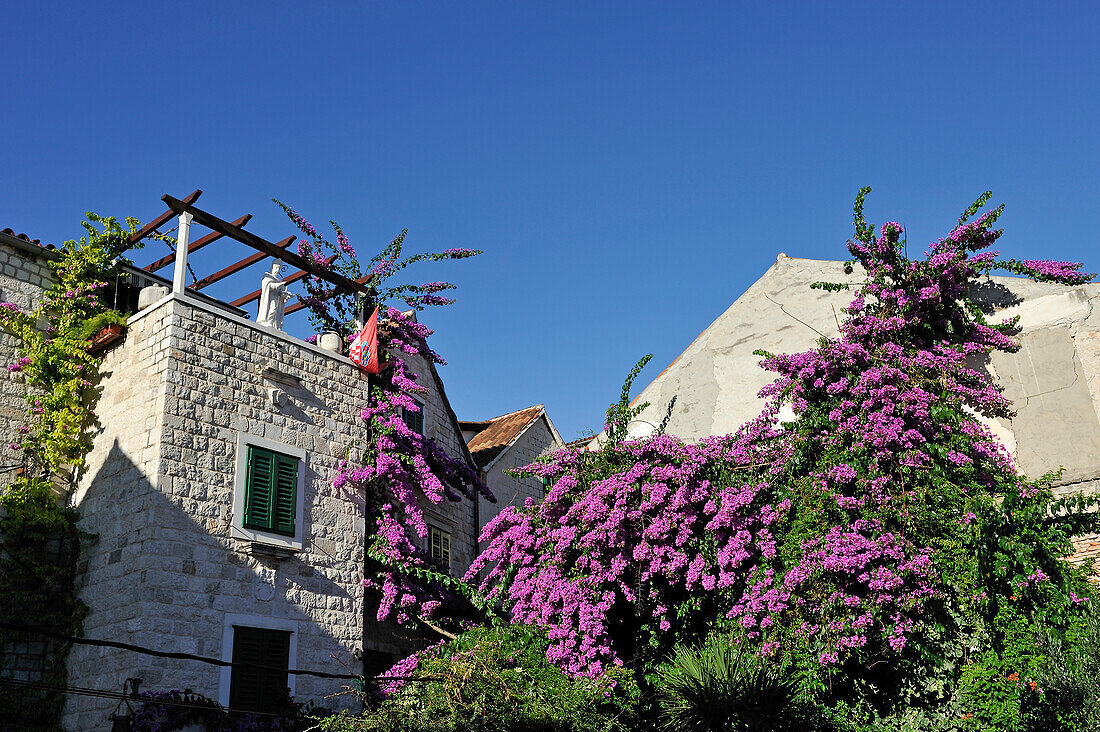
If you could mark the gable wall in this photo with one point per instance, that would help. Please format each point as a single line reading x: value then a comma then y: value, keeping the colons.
x: 509, y: 490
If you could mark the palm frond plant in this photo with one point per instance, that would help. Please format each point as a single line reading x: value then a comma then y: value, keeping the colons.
x: 721, y: 686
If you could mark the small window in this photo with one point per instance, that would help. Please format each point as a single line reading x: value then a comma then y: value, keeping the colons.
x: 261, y: 658
x: 271, y: 486
x: 440, y: 545
x: 375, y: 663
x: 414, y: 420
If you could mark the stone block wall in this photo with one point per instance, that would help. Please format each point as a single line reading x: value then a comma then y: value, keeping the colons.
x: 24, y: 277
x: 116, y: 498
x: 441, y: 426
x: 169, y: 571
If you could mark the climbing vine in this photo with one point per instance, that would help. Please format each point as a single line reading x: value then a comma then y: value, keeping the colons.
x: 39, y: 538
x: 398, y: 470
x: 330, y: 309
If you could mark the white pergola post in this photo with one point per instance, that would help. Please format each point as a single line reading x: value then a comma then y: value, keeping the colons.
x: 179, y: 275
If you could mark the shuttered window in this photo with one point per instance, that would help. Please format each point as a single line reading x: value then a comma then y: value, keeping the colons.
x: 440, y: 545
x: 270, y: 491
x: 414, y: 420
x: 261, y: 657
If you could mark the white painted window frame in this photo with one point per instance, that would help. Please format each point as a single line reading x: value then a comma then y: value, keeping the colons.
x: 255, y: 621
x: 237, y: 529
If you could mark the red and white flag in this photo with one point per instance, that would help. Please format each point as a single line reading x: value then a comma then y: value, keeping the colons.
x: 367, y: 340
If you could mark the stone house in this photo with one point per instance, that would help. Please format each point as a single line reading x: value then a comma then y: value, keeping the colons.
x: 1053, y: 380
x: 505, y: 443
x: 209, y: 491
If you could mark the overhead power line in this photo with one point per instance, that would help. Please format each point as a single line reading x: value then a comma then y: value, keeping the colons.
x: 8, y: 625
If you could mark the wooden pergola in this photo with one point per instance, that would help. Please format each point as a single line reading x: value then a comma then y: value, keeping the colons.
x: 186, y: 212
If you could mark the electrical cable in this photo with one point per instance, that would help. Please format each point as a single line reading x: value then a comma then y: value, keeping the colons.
x: 8, y: 625
x: 121, y: 696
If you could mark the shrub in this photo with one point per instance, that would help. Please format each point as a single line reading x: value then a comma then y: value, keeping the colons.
x: 1066, y: 695
x: 721, y: 686
x: 495, y: 679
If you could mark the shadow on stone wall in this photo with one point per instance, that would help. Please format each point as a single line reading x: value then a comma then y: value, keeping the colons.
x: 164, y: 574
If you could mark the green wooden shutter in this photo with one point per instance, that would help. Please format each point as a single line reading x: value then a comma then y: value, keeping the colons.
x: 437, y: 543
x: 259, y: 487
x: 277, y: 659
x: 284, y: 498
x: 244, y: 681
x: 270, y: 496
x: 440, y: 545
x: 261, y: 657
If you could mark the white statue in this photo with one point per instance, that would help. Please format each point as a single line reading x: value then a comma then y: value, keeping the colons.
x: 273, y: 297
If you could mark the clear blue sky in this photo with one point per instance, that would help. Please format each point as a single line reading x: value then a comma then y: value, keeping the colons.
x: 628, y: 168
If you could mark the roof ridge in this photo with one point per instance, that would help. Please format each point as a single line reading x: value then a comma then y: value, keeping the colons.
x: 525, y: 409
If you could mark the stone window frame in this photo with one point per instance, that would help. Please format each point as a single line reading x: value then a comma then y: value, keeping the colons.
x: 237, y: 529
x: 255, y: 621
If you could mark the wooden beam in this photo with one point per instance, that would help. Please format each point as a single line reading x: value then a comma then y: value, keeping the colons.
x: 161, y: 220
x: 300, y: 305
x: 195, y: 245
x: 253, y: 296
x: 238, y: 266
x: 261, y: 245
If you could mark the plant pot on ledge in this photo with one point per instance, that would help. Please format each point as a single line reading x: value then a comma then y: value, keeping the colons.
x: 106, y: 337
x: 330, y: 340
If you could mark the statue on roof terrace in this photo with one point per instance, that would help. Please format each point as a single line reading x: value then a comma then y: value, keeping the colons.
x: 273, y: 297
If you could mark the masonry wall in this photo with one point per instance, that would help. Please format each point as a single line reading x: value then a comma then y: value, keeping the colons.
x: 117, y: 501
x: 169, y: 571
x: 510, y: 490
x: 441, y: 426
x: 24, y: 277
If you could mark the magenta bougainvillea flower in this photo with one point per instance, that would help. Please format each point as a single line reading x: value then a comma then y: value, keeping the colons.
x: 843, y: 535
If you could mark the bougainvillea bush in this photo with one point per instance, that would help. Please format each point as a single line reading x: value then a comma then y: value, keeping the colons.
x: 396, y: 470
x: 332, y: 309
x: 881, y: 544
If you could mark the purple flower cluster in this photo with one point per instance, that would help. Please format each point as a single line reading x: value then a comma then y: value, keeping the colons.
x: 814, y: 533
x: 399, y: 473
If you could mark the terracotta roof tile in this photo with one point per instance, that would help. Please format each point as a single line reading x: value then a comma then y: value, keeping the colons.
x: 501, y: 432
x: 581, y: 443
x: 24, y: 237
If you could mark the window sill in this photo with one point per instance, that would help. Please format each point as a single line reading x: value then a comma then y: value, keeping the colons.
x: 264, y: 550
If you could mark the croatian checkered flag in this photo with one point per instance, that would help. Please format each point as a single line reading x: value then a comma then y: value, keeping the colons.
x: 367, y: 339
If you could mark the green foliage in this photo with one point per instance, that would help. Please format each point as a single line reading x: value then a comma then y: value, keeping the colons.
x: 55, y: 363
x: 497, y: 679
x: 620, y: 413
x: 40, y: 541
x: 724, y: 687
x: 38, y: 560
x: 829, y: 286
x: 1067, y: 693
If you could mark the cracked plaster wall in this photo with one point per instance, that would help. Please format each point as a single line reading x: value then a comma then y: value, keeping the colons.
x: 1054, y: 379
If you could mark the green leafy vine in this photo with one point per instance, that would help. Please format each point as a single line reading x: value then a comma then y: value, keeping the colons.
x: 39, y: 539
